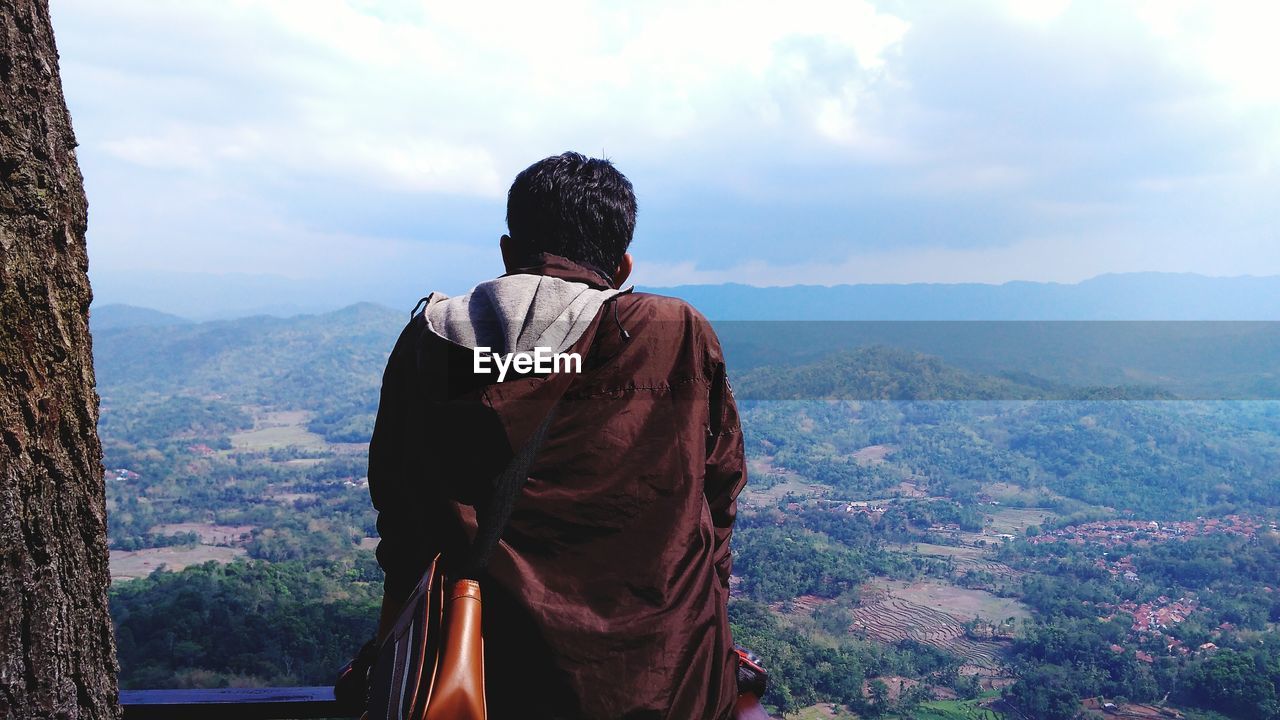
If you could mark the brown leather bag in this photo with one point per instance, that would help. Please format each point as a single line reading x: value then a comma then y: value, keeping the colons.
x: 431, y: 664
x: 458, y: 690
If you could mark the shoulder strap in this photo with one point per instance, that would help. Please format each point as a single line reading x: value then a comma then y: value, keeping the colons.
x: 493, y: 515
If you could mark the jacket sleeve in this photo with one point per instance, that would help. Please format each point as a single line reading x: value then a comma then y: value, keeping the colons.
x: 726, y: 465
x: 395, y: 473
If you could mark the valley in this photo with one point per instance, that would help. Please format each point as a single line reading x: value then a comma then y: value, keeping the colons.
x: 934, y: 555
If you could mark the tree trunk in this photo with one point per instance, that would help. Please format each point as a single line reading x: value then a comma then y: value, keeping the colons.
x: 57, y: 658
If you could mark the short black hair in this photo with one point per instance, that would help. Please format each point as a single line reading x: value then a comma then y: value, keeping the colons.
x: 571, y: 205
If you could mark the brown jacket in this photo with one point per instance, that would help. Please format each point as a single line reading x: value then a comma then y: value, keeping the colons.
x: 607, y: 596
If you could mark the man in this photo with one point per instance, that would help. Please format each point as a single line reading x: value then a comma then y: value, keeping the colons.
x: 607, y: 597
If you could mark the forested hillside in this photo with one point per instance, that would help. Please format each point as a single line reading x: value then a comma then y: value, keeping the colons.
x: 918, y: 536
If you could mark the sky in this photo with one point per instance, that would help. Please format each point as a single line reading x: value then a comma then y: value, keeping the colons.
x: 362, y: 149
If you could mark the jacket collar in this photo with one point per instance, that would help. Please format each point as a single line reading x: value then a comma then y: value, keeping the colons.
x: 558, y: 266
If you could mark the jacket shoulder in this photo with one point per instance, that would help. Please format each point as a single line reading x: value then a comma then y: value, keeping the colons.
x: 674, y: 319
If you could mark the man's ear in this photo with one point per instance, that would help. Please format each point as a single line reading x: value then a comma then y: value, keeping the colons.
x: 623, y: 270
x: 510, y: 258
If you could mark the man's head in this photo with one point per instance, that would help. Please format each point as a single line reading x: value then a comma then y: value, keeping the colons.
x: 570, y: 205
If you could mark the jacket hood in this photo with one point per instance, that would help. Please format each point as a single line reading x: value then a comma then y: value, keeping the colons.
x: 550, y: 303
x: 516, y: 313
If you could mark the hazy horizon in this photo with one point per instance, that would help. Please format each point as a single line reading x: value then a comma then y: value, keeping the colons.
x: 1139, y: 296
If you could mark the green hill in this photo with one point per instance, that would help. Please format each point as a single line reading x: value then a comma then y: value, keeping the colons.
x: 329, y: 365
x: 877, y: 373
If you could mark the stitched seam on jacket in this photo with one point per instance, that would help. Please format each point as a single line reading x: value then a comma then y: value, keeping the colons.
x: 629, y: 388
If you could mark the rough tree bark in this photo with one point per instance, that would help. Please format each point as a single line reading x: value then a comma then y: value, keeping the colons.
x: 57, y: 657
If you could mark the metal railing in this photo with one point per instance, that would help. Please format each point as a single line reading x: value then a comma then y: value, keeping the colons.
x: 285, y: 703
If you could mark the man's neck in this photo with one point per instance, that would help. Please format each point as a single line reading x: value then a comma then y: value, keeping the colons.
x: 562, y: 267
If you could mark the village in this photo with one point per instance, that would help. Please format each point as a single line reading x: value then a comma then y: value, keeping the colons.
x: 1116, y: 533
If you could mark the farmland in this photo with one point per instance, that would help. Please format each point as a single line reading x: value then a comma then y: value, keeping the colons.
x: 934, y: 613
x: 977, y: 709
x: 1015, y: 521
x: 131, y: 564
x: 277, y: 429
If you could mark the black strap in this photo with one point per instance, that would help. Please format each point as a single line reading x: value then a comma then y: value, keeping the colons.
x: 493, y: 515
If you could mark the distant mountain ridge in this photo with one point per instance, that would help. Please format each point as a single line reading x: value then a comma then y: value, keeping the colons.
x: 108, y: 317
x: 331, y: 363
x: 1124, y: 296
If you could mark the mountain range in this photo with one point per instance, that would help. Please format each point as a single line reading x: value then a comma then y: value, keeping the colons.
x: 1128, y: 296
x: 325, y: 357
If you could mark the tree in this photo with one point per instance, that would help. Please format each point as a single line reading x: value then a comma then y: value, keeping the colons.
x: 57, y: 657
x: 1230, y: 682
x: 1045, y: 692
x: 879, y: 696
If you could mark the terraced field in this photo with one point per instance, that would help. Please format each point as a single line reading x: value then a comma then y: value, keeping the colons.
x: 1016, y: 520
x: 889, y: 619
x: 955, y: 710
x: 999, y: 570
x: 964, y: 557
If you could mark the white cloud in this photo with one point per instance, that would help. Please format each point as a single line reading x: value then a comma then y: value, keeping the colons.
x: 448, y: 97
x: 1232, y: 40
x: 1037, y: 12
x: 188, y: 147
x: 995, y: 139
x: 1055, y: 258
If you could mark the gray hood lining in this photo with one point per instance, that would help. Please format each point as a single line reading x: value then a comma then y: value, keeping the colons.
x: 516, y: 313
